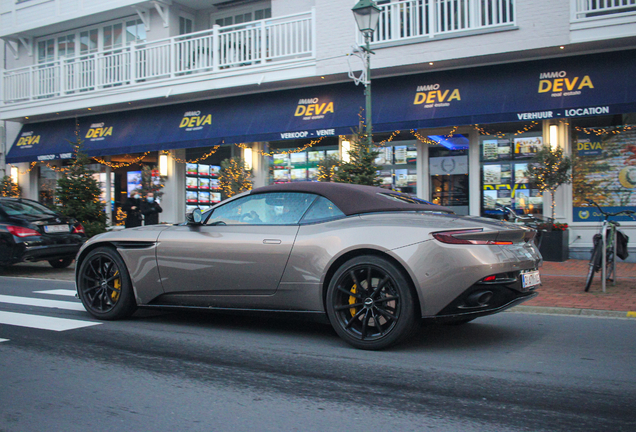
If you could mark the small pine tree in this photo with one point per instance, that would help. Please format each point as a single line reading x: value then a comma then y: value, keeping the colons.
x: 8, y: 188
x: 234, y: 177
x: 361, y: 168
x: 327, y: 168
x: 550, y: 170
x: 78, y: 194
x: 151, y: 181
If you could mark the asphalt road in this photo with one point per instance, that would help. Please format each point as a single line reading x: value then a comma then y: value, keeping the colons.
x: 213, y: 372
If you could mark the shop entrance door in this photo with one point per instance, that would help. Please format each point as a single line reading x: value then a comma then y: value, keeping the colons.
x: 448, y: 169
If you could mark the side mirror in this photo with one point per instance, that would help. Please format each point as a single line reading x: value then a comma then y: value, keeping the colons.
x: 194, y: 217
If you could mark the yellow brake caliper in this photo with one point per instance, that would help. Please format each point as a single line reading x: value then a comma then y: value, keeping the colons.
x: 117, y: 284
x: 352, y: 300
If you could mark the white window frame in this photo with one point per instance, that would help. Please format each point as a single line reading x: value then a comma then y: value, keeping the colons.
x: 242, y: 10
x: 77, y: 40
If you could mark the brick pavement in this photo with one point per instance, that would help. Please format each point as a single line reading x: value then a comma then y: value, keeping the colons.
x: 564, y: 285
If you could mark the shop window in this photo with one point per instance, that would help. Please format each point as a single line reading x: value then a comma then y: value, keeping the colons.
x: 47, y: 183
x: 398, y: 167
x: 290, y: 164
x: 604, y: 165
x: 504, y: 162
x: 202, y: 176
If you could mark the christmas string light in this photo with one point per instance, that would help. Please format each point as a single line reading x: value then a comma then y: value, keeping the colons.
x: 205, y: 156
x: 121, y: 164
x: 286, y: 152
x: 613, y: 130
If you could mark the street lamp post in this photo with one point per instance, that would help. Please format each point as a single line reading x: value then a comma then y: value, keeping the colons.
x: 367, y: 14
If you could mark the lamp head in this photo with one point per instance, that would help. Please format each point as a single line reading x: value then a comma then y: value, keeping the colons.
x: 367, y: 15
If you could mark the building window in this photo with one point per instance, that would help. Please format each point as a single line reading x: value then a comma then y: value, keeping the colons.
x: 186, y: 25
x: 504, y: 162
x: 241, y: 15
x: 91, y: 40
x: 604, y: 165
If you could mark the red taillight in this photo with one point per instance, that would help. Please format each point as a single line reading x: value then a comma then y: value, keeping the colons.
x: 489, y: 278
x: 78, y: 229
x: 22, y: 232
x: 463, y: 237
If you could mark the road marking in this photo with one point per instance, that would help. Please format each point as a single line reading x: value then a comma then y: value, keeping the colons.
x: 30, y: 301
x: 4, y: 340
x: 43, y: 322
x: 60, y: 292
x: 631, y: 314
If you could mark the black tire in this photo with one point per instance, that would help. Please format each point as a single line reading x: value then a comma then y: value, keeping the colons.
x: 370, y: 303
x: 61, y: 263
x: 104, y: 285
x: 596, y: 256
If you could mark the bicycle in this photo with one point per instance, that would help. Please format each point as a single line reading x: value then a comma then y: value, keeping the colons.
x: 605, y: 262
x: 536, y: 222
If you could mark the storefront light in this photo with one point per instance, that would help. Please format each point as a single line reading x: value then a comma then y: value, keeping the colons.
x: 163, y: 164
x: 247, y: 155
x: 14, y: 174
x: 346, y: 148
x: 554, y: 136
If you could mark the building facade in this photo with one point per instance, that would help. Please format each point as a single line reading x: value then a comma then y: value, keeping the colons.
x: 464, y: 93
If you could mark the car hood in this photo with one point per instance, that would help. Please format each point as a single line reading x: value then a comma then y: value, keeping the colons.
x: 138, y: 234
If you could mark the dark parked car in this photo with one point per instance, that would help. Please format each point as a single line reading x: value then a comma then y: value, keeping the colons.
x: 373, y: 261
x: 30, y: 231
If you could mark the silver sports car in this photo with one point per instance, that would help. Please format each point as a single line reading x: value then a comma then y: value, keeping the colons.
x: 373, y: 261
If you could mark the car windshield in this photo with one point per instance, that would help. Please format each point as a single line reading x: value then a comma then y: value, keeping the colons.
x: 31, y: 208
x: 402, y: 197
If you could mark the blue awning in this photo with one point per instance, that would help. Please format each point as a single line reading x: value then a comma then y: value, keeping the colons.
x: 600, y: 84
x: 292, y: 114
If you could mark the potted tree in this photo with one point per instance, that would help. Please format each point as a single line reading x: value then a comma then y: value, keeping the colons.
x: 549, y: 171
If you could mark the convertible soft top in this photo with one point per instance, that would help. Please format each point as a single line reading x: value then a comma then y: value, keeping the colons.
x: 355, y: 199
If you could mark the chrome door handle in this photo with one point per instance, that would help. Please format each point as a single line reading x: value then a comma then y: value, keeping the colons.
x: 272, y: 241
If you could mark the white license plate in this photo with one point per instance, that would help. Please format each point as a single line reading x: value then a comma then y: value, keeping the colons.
x: 531, y: 278
x: 56, y: 228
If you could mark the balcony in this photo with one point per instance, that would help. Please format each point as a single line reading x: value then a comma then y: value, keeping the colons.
x: 414, y: 20
x: 594, y: 20
x: 220, y: 51
x: 586, y: 9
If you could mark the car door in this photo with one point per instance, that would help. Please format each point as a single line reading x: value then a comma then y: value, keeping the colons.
x: 242, y: 249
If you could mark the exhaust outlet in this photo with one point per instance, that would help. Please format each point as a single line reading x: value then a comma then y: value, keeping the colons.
x: 479, y: 298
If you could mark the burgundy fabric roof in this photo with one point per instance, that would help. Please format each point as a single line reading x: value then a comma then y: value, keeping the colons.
x: 355, y: 199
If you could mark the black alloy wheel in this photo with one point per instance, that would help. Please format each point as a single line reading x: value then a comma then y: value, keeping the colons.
x: 370, y: 303
x: 104, y: 285
x: 61, y: 263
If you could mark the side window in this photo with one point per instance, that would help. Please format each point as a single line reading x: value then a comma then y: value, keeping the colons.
x: 284, y: 208
x: 322, y: 210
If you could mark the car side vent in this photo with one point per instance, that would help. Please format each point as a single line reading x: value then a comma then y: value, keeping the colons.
x: 135, y: 245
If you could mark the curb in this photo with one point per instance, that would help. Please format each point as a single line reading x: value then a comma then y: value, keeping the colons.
x: 573, y: 311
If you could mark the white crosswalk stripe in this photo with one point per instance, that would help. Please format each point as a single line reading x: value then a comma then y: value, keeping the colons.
x: 30, y: 301
x: 4, y: 340
x: 42, y: 322
x: 36, y: 321
x: 59, y: 292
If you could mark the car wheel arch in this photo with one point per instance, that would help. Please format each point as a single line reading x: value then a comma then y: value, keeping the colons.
x: 87, y: 250
x: 337, y: 263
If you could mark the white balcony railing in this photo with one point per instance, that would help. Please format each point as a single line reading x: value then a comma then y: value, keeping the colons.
x: 407, y: 19
x: 585, y: 9
x: 219, y: 50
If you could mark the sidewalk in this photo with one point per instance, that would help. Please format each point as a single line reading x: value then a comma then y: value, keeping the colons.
x: 562, y: 291
x: 564, y: 287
